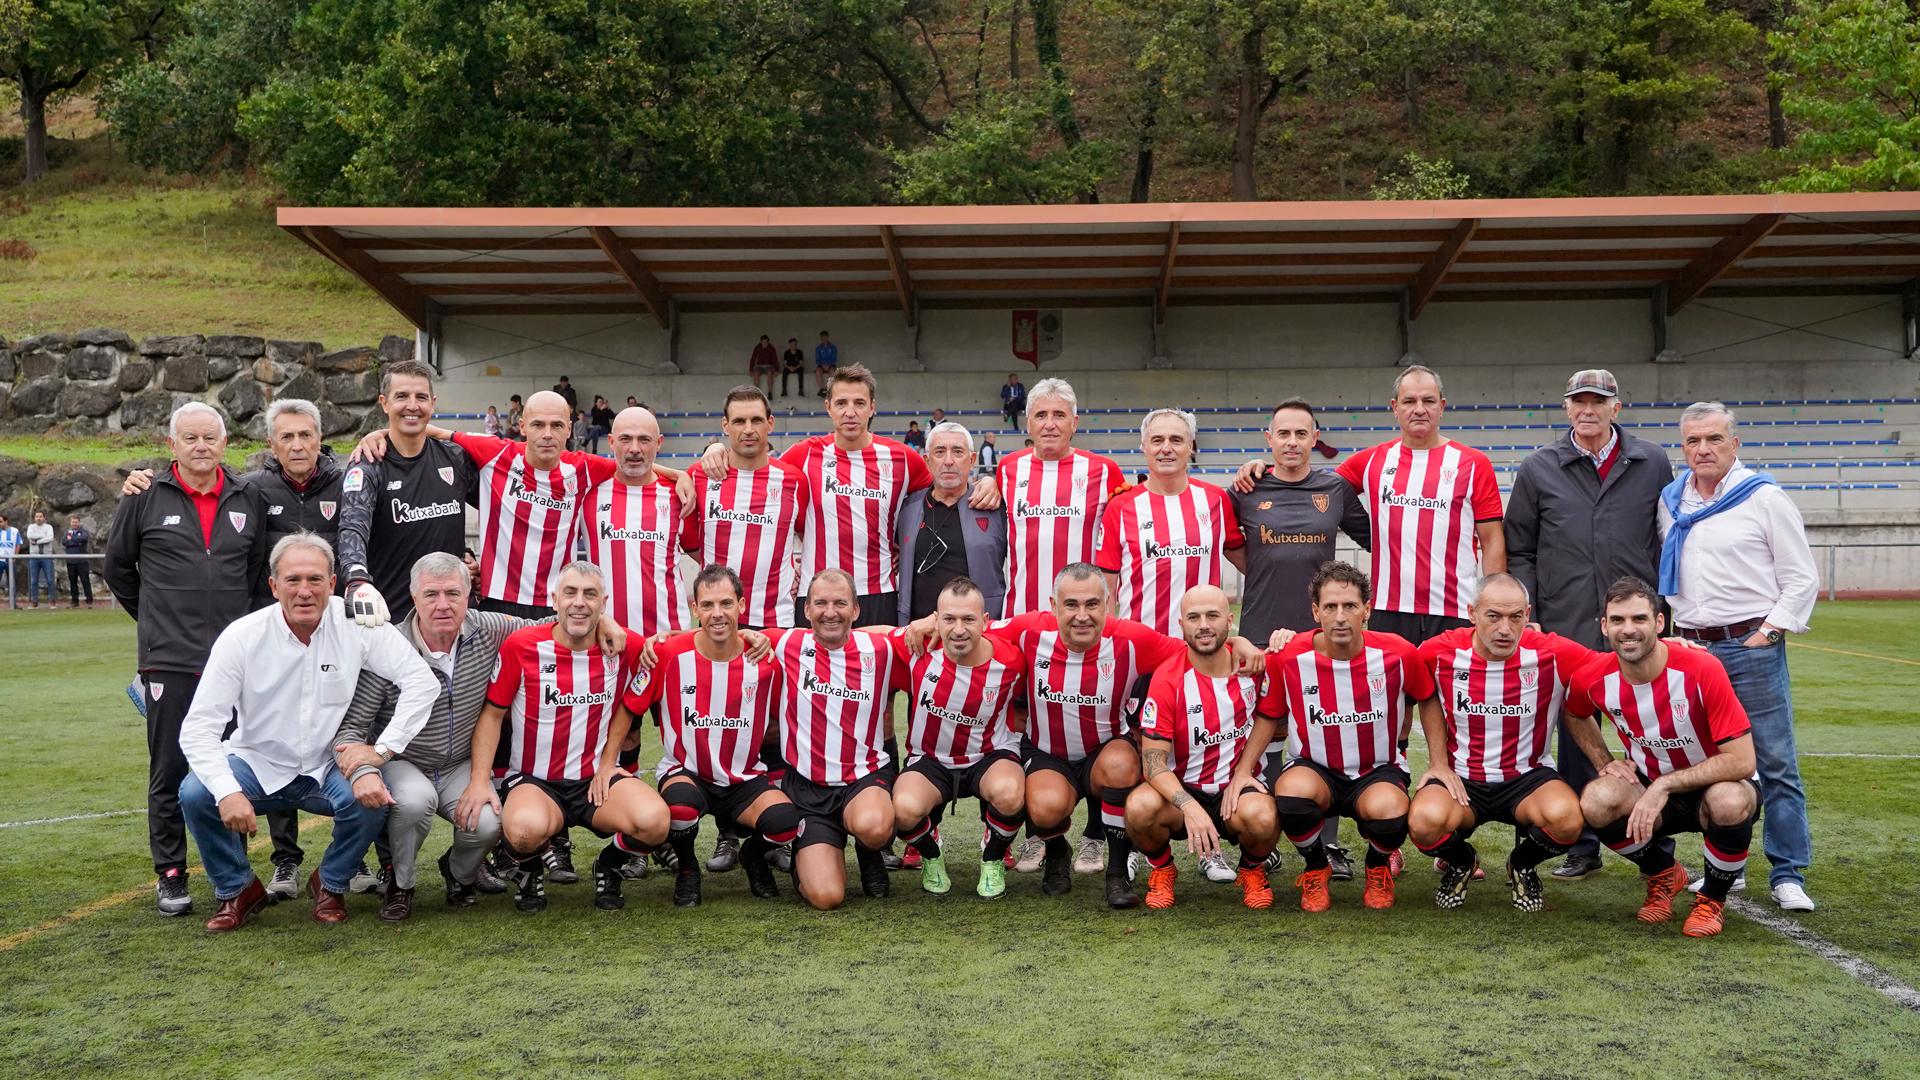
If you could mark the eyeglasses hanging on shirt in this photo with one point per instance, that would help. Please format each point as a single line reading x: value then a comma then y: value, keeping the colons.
x: 933, y: 548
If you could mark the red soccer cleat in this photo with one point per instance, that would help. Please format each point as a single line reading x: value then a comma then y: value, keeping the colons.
x: 1661, y: 889
x: 1313, y: 889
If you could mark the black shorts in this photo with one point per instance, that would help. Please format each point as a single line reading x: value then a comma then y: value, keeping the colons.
x: 726, y: 802
x: 569, y: 795
x: 956, y: 784
x: 1499, y: 802
x: 822, y: 805
x: 1346, y: 792
x: 1078, y: 773
x: 1210, y: 802
x: 1682, y: 812
x: 1415, y: 628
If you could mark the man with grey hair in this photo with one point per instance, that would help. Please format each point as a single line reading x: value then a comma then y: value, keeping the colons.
x: 941, y: 539
x: 1735, y: 566
x: 185, y: 558
x: 1581, y: 517
x: 282, y: 677
x: 1055, y: 494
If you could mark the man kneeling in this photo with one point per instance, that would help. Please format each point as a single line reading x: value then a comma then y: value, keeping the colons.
x: 562, y: 693
x: 1193, y: 727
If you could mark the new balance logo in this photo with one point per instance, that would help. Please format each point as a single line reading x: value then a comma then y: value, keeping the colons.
x: 546, y: 669
x: 394, y: 485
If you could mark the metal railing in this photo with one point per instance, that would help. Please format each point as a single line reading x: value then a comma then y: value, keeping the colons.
x: 1830, y: 565
x: 18, y: 566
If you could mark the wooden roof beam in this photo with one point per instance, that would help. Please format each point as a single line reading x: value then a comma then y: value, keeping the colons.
x: 1703, y: 271
x: 1422, y: 287
x: 643, y: 281
x: 394, y: 290
x: 897, y: 266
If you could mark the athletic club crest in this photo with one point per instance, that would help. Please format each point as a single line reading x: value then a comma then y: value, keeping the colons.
x: 1105, y: 668
x: 446, y: 474
x: 239, y: 520
x: 1680, y: 710
x: 1320, y: 502
x: 1377, y: 684
x: 1528, y: 677
x: 327, y: 509
x: 156, y: 689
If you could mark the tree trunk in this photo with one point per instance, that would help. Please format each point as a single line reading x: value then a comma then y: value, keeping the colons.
x: 1411, y: 81
x: 1246, y: 120
x: 1143, y: 151
x: 33, y: 116
x: 1776, y: 120
x: 1013, y: 41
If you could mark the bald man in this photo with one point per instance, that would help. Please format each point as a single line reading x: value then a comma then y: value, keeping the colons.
x: 631, y: 521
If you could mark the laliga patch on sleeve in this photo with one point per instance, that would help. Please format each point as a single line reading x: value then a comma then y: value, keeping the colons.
x: 498, y: 663
x: 1149, y: 713
x: 355, y: 480
x: 639, y: 682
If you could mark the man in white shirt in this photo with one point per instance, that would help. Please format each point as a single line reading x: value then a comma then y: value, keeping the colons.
x: 285, y: 675
x: 1735, y: 566
x: 40, y: 567
x: 10, y: 541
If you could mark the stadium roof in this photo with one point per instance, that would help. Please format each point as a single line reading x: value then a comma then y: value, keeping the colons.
x: 1668, y: 249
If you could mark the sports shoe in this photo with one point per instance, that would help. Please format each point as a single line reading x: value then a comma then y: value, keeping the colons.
x: 1339, y: 863
x: 1705, y: 919
x: 1272, y: 862
x: 1057, y: 880
x: 910, y: 859
x: 1525, y: 887
x: 1396, y: 862
x: 1575, y: 867
x: 1255, y: 892
x: 1091, y: 856
x: 1452, y: 890
x: 286, y: 882
x: 363, y: 880
x: 1791, y: 896
x: 993, y: 879
x: 488, y: 882
x: 1120, y: 894
x: 630, y: 866
x: 1216, y: 868
x: 1313, y: 889
x: 1379, y: 893
x: 666, y: 858
x: 873, y: 872
x: 1031, y: 853
x: 607, y: 879
x: 686, y: 887
x: 1661, y: 888
x: 1135, y: 863
x: 933, y: 875
x: 559, y: 864
x: 530, y: 893
x: 891, y: 861
x: 1160, y: 886
x: 726, y: 855
x: 782, y: 858
x: 759, y: 876
x: 1739, y: 883
x: 1479, y: 872
x: 458, y: 893
x: 170, y: 892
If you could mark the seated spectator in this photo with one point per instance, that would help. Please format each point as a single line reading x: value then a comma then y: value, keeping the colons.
x: 914, y: 436
x: 599, y: 423
x: 792, y: 363
x: 764, y: 364
x: 1013, y: 399
x: 826, y: 357
x: 493, y: 426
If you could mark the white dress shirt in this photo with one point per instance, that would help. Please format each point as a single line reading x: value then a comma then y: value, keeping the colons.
x: 1750, y: 562
x: 290, y: 697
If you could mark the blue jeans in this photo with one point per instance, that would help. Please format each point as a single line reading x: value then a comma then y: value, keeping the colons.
x: 1759, y: 678
x: 39, y: 572
x: 225, y: 852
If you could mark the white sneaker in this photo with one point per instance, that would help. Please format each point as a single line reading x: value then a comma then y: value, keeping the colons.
x: 1792, y: 896
x: 1032, y: 851
x: 1091, y: 858
x: 1739, y: 884
x: 1216, y: 868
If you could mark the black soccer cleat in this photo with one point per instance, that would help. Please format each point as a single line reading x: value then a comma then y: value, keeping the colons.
x: 760, y: 880
x: 530, y: 894
x: 1056, y: 877
x: 686, y: 888
x: 559, y: 861
x: 1452, y: 890
x: 458, y: 893
x: 1339, y: 863
x: 666, y: 858
x: 726, y: 854
x: 1525, y: 886
x: 1120, y: 894
x: 607, y: 879
x: 873, y: 873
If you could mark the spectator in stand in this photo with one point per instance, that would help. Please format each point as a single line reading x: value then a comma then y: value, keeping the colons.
x: 40, y: 567
x: 493, y: 425
x: 599, y: 423
x: 793, y: 363
x: 914, y: 436
x: 580, y: 431
x: 826, y: 357
x: 939, y: 417
x: 765, y: 363
x: 76, y: 540
x: 1013, y: 400
x: 634, y: 402
x: 514, y: 409
x: 565, y: 389
x: 989, y: 455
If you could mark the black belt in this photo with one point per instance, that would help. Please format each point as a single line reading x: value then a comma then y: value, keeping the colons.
x: 1722, y: 633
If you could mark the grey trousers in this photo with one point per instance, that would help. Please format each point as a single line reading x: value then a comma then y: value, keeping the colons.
x: 417, y: 798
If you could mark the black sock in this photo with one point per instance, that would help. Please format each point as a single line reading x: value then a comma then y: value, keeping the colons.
x: 682, y: 840
x: 1160, y: 859
x: 1535, y: 847
x: 1384, y: 837
x: 1453, y: 848
x: 921, y: 838
x: 1000, y: 832
x: 1058, y: 848
x: 1301, y: 819
x: 1726, y: 854
x: 1249, y: 861
x: 1652, y: 857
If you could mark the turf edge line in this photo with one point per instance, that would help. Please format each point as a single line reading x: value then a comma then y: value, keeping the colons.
x: 1862, y: 971
x: 77, y: 817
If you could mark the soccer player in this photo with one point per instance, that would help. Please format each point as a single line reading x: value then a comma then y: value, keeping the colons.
x: 1498, y: 690
x: 959, y: 742
x: 1055, y: 494
x: 1197, y: 716
x: 631, y: 524
x: 1343, y: 692
x: 713, y: 705
x: 1170, y: 534
x: 563, y: 694
x: 746, y: 513
x: 839, y: 686
x: 404, y: 504
x: 1689, y: 762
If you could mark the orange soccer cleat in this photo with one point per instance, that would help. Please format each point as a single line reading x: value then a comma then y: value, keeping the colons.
x: 1661, y: 888
x: 1379, y: 894
x: 1705, y: 919
x: 1254, y: 890
x: 1160, y: 887
x: 1313, y: 889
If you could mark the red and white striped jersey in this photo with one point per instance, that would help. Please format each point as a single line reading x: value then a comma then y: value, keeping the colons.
x: 748, y: 520
x: 838, y: 703
x: 1346, y: 714
x: 1053, y: 519
x: 559, y: 702
x: 1207, y: 719
x: 1674, y: 722
x: 1163, y: 545
x: 528, y: 516
x: 958, y: 713
x: 713, y: 714
x: 853, y: 499
x: 631, y: 536
x: 1501, y: 713
x: 1425, y: 504
x: 1078, y: 701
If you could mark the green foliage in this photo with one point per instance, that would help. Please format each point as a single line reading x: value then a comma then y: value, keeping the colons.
x: 1418, y: 178
x: 1854, y: 94
x: 1000, y: 152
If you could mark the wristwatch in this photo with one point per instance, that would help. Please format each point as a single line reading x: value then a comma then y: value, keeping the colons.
x: 1774, y: 635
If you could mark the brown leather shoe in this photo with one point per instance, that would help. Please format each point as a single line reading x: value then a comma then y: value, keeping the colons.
x: 397, y: 905
x: 233, y: 914
x: 328, y: 907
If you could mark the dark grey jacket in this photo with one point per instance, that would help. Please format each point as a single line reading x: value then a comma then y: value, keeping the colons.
x: 1569, y: 536
x: 985, y: 532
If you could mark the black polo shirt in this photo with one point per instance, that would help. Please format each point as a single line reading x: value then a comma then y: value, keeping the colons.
x: 939, y: 553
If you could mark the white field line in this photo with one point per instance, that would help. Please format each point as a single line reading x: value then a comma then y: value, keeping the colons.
x: 70, y: 817
x: 1862, y: 971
